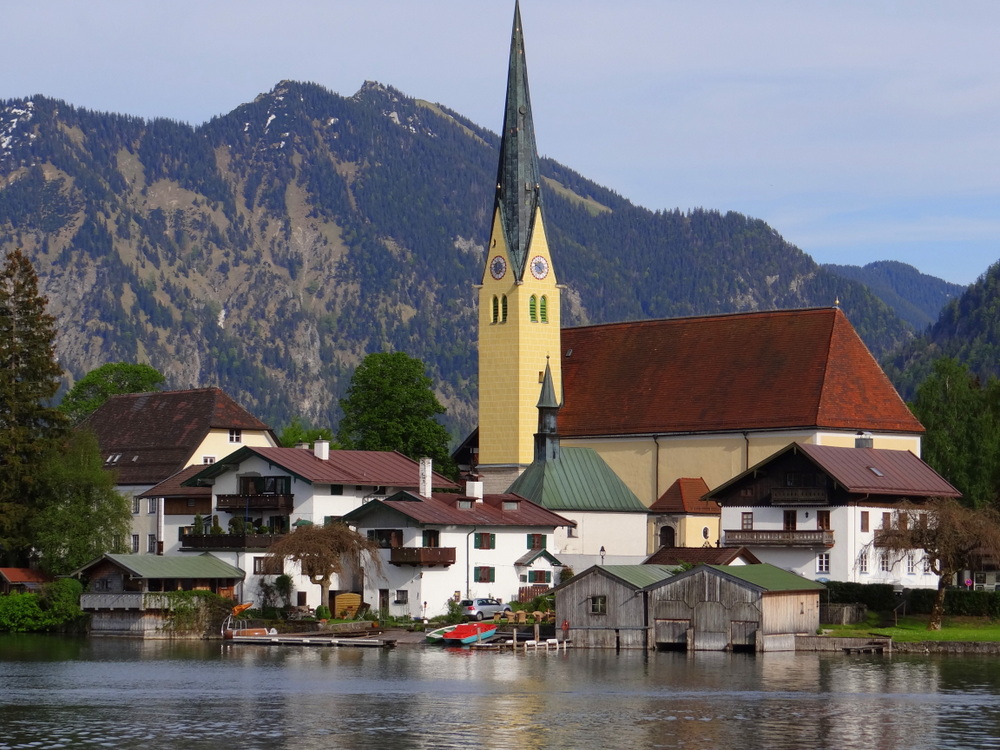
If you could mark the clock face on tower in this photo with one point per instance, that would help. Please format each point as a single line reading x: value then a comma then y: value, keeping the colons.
x: 498, y: 267
x: 539, y: 267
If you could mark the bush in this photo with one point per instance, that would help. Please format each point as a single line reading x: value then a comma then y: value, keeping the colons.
x: 21, y: 613
x: 878, y: 597
x: 323, y: 612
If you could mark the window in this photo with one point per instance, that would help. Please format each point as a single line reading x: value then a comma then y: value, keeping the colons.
x: 746, y: 521
x: 571, y: 532
x: 266, y: 485
x: 533, y: 308
x: 402, y: 596
x: 235, y: 435
x: 823, y: 520
x: 887, y: 521
x: 485, y: 541
x: 884, y: 563
x: 208, y: 459
x: 903, y: 520
x: 151, y: 543
x: 135, y: 505
x: 496, y: 310
x: 864, y: 520
x: 135, y: 544
x: 536, y: 541
x: 539, y: 576
x: 911, y: 563
x: 432, y: 538
x: 511, y: 505
x: 484, y: 574
x: 790, y: 518
x: 464, y: 505
x: 599, y: 605
x: 387, y: 538
x: 863, y: 561
x: 336, y: 489
x: 823, y: 562
x: 543, y: 309
x: 268, y: 566
x: 503, y: 309
x: 151, y: 505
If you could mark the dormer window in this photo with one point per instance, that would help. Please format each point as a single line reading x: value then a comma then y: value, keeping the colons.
x: 464, y: 505
x: 113, y: 458
x: 511, y: 505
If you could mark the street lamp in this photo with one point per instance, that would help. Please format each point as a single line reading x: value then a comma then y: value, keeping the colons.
x: 603, y: 553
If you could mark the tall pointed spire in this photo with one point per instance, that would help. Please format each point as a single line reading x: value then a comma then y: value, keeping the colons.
x: 518, y: 180
x: 547, y: 437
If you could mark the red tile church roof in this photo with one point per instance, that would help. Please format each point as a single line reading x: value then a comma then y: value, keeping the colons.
x: 722, y: 373
x: 684, y: 496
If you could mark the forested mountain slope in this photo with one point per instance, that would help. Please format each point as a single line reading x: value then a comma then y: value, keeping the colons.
x: 268, y: 250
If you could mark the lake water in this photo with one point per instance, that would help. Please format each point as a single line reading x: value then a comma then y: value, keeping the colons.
x: 103, y: 693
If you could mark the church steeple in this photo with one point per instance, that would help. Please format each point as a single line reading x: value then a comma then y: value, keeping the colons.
x: 519, y: 309
x: 547, y: 437
x: 518, y: 178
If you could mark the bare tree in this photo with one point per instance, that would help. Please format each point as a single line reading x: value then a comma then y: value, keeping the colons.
x: 325, y: 551
x: 953, y: 537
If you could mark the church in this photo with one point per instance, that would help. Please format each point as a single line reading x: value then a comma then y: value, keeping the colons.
x: 614, y: 418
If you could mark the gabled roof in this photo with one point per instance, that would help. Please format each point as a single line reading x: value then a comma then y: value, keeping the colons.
x: 444, y: 510
x: 169, y: 566
x: 529, y: 557
x: 634, y: 576
x: 862, y: 471
x: 24, y: 576
x: 367, y: 468
x: 156, y: 433
x: 698, y: 555
x: 685, y: 496
x: 173, y: 486
x: 767, y: 578
x: 577, y: 480
x: 747, y: 371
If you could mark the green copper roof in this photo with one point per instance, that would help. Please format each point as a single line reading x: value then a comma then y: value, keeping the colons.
x: 175, y: 566
x: 518, y: 178
x: 578, y: 479
x: 547, y: 398
x: 640, y: 576
x: 769, y: 577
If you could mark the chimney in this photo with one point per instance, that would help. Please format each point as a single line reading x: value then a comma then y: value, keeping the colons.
x: 321, y: 449
x: 864, y: 440
x: 474, y: 489
x: 425, y: 477
x: 302, y: 446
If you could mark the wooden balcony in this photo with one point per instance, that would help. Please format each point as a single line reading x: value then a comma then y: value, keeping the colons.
x: 429, y: 556
x: 133, y: 600
x: 814, y: 538
x: 799, y: 496
x: 233, y: 503
x: 229, y: 541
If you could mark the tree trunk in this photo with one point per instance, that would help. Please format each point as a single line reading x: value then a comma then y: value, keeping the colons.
x: 937, y: 611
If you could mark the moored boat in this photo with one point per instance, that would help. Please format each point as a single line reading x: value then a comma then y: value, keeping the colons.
x: 469, y: 632
x: 437, y: 636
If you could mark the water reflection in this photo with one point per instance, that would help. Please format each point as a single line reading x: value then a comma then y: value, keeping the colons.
x: 58, y: 692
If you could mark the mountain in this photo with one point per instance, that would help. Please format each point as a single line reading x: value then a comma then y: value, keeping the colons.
x: 914, y: 296
x: 268, y: 250
x: 968, y: 329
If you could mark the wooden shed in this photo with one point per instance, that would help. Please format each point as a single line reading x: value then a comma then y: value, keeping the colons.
x: 606, y: 605
x: 726, y: 607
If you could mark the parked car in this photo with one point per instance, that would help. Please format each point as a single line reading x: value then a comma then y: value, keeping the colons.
x: 479, y: 609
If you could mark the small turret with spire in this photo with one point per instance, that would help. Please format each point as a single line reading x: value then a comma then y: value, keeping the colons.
x: 547, y: 437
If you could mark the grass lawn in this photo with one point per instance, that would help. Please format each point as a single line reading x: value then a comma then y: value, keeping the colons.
x: 914, y: 628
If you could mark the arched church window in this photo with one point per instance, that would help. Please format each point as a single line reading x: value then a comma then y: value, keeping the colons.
x: 667, y: 537
x: 533, y: 309
x: 496, y: 310
x: 503, y: 309
x: 543, y: 309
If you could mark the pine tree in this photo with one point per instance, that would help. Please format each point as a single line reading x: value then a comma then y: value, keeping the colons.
x: 30, y: 426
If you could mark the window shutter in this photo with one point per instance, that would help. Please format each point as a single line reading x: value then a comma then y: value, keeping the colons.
x: 476, y: 575
x: 477, y: 540
x: 548, y: 576
x: 542, y: 537
x: 530, y: 540
x: 493, y: 575
x: 493, y: 541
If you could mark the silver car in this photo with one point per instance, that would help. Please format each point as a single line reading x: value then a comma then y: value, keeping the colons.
x: 480, y: 609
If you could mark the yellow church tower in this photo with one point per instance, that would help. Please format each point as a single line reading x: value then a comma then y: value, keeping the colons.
x: 518, y: 299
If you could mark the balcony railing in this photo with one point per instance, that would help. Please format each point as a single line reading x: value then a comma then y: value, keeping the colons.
x: 254, y: 502
x: 818, y: 538
x: 799, y: 496
x: 422, y: 555
x: 133, y: 600
x: 229, y: 541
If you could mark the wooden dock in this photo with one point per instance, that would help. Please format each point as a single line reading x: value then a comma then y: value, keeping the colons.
x: 872, y: 647
x: 312, y: 639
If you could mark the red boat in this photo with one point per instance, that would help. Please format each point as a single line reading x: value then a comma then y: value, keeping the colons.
x: 469, y: 632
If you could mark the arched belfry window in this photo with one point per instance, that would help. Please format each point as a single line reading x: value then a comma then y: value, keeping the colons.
x: 533, y: 309
x: 496, y: 310
x: 503, y: 309
x: 543, y: 309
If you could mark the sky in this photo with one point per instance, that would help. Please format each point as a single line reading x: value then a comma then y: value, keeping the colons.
x: 860, y: 130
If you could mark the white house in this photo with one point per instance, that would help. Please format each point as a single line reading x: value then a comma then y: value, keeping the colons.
x: 451, y: 547
x: 816, y: 510
x: 260, y: 494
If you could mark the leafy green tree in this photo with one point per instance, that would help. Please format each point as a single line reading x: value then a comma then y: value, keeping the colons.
x: 296, y: 432
x: 390, y: 406
x: 325, y: 551
x: 962, y: 417
x: 29, y: 377
x: 82, y: 516
x: 110, y: 379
